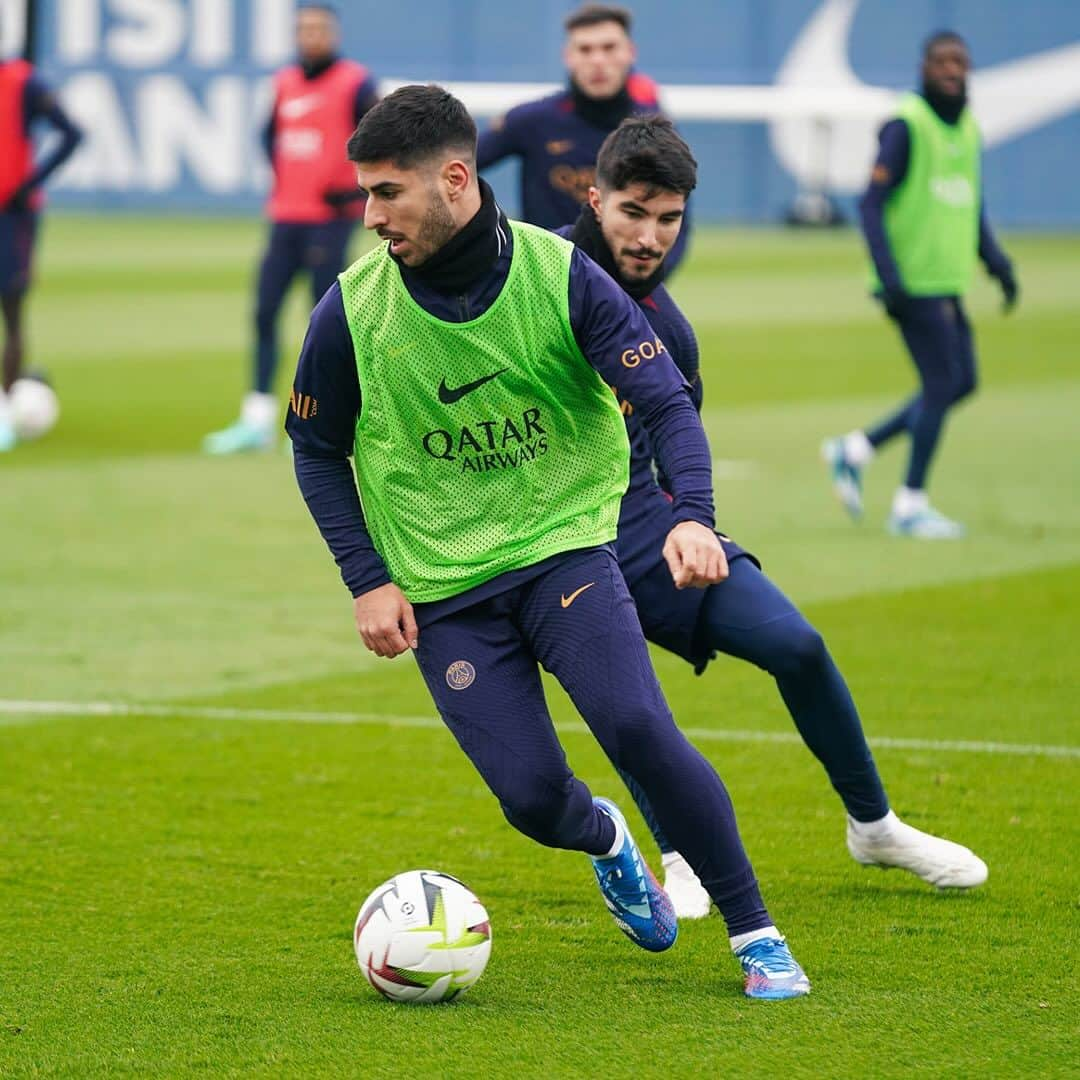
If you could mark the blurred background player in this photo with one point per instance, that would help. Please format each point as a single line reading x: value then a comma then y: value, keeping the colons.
x: 25, y: 103
x: 924, y: 219
x: 644, y: 174
x: 557, y: 138
x: 313, y: 205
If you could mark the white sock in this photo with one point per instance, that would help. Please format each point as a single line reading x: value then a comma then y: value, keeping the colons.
x: 908, y: 501
x: 875, y: 830
x: 740, y: 941
x: 858, y: 449
x: 620, y: 836
x: 672, y: 858
x: 259, y: 410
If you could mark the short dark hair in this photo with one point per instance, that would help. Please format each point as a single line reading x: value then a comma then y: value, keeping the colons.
x: 941, y: 37
x: 595, y: 14
x: 412, y: 125
x: 646, y: 150
x: 319, y: 5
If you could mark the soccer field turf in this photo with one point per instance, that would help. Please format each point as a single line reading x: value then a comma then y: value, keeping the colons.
x: 181, y: 863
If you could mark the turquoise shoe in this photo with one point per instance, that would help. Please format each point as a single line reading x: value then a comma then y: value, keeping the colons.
x: 239, y: 438
x: 846, y: 477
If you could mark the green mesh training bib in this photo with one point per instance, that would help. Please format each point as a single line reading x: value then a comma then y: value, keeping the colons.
x: 932, y: 216
x: 483, y: 446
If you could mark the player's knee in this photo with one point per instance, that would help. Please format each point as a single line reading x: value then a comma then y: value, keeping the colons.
x: 647, y: 744
x: 964, y: 387
x: 799, y: 651
x: 265, y: 318
x: 938, y: 394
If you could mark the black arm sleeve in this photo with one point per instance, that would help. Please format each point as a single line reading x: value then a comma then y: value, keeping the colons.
x: 994, y: 259
x: 498, y: 141
x: 321, y: 423
x: 42, y: 105
x: 329, y: 490
x: 889, y: 169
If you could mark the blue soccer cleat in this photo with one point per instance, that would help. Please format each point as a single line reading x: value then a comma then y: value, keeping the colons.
x: 772, y: 973
x: 640, y: 908
x: 846, y: 477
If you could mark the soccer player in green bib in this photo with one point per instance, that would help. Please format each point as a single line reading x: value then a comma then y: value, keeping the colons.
x: 466, y: 366
x: 924, y: 219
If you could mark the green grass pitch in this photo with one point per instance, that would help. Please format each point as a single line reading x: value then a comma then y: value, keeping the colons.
x: 178, y: 880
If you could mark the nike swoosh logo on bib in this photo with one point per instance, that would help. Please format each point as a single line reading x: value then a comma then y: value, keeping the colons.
x: 448, y: 396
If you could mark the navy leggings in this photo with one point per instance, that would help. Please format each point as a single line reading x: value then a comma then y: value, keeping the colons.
x: 481, y: 665
x: 748, y: 617
x: 316, y: 249
x: 938, y: 336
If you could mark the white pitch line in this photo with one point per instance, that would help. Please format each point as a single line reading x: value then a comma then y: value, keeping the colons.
x: 87, y: 709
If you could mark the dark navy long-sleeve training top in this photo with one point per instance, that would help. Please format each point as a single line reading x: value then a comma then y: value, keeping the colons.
x: 890, y: 168
x: 606, y: 324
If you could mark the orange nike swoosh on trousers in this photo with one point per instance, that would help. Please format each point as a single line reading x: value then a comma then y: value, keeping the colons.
x: 566, y: 601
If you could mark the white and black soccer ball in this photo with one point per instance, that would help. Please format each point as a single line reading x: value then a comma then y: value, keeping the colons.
x: 35, y: 408
x: 422, y: 936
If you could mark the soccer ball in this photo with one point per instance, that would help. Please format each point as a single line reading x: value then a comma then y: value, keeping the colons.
x: 34, y: 407
x: 422, y: 936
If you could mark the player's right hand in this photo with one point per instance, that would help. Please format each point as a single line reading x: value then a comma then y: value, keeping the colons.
x: 385, y: 620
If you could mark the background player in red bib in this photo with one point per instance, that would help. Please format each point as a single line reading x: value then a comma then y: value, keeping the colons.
x: 25, y: 101
x: 313, y: 203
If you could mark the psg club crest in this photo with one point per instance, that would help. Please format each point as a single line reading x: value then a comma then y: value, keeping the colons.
x: 460, y: 674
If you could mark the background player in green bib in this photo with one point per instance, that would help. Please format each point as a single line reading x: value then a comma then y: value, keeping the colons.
x: 466, y: 364
x: 924, y: 219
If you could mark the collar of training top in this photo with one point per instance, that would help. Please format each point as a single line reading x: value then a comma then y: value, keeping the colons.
x: 312, y: 69
x: 947, y: 106
x: 604, y: 113
x: 469, y: 254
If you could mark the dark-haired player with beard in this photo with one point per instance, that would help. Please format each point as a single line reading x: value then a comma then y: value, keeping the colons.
x: 558, y: 137
x: 465, y: 366
x: 644, y: 174
x: 924, y: 219
x: 313, y: 205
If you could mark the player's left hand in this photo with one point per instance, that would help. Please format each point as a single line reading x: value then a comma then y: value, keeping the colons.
x: 1010, y: 290
x: 694, y: 556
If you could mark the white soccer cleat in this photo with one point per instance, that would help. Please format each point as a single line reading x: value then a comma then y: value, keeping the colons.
x: 925, y: 524
x: 938, y: 862
x: 688, y: 895
x: 256, y: 430
x: 846, y: 477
